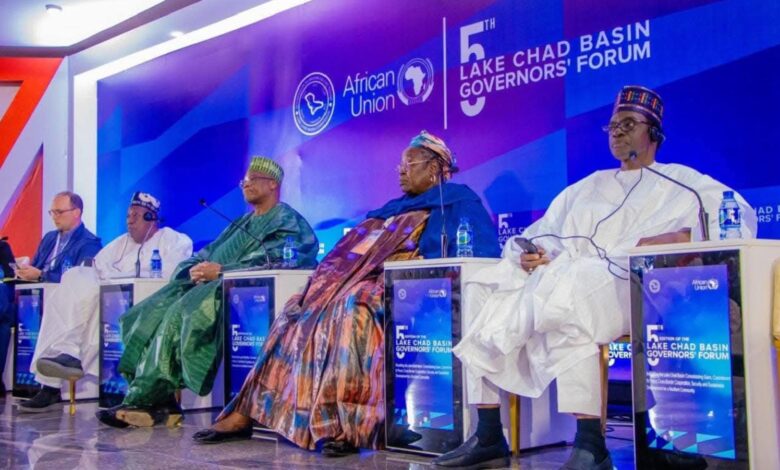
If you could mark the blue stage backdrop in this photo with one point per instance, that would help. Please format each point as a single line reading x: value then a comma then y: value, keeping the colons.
x: 334, y: 90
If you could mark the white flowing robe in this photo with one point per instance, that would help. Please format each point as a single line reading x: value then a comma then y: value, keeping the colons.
x: 531, y: 329
x: 70, y: 323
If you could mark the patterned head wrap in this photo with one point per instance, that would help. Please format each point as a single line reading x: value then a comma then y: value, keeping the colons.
x: 268, y: 167
x: 642, y: 100
x: 429, y: 141
x: 145, y: 200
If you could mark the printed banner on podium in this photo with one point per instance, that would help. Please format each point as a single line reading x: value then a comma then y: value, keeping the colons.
x: 689, y: 361
x: 250, y: 320
x: 422, y: 349
x: 115, y: 300
x: 30, y: 309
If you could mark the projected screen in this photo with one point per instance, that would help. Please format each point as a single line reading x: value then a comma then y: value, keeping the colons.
x: 114, y: 301
x: 250, y: 314
x: 688, y: 358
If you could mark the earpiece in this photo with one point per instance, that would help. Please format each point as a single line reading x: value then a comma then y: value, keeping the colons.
x: 657, y: 135
x: 150, y: 216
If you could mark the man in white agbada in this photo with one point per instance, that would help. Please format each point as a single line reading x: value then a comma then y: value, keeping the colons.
x: 544, y: 315
x: 68, y: 340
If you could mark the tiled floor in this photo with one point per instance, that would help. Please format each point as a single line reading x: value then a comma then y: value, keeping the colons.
x: 55, y: 440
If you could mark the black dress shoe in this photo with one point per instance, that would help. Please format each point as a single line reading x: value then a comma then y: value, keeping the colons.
x: 581, y: 459
x: 47, y: 399
x: 64, y: 366
x: 145, y: 416
x: 109, y: 418
x: 473, y: 456
x: 339, y: 449
x: 212, y: 436
x: 174, y: 415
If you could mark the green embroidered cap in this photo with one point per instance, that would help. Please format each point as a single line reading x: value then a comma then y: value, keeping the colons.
x: 266, y: 166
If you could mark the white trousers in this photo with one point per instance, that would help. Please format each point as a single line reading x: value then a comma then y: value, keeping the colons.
x: 70, y: 323
x: 579, y: 389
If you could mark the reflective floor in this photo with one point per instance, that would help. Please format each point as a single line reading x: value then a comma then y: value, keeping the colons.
x: 58, y: 441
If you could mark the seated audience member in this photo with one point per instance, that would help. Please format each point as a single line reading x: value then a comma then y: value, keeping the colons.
x: 546, y: 313
x: 67, y: 343
x: 6, y: 306
x: 318, y: 379
x: 173, y: 339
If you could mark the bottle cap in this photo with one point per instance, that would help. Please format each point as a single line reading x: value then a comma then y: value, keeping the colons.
x: 728, y: 194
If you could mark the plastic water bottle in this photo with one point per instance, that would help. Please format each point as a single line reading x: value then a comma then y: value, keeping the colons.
x: 289, y: 254
x: 156, y: 265
x: 730, y: 217
x: 465, y: 239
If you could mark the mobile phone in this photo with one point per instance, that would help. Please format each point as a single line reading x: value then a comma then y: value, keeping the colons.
x: 526, y: 245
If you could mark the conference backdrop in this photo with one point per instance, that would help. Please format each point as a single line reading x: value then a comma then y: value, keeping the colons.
x: 334, y: 90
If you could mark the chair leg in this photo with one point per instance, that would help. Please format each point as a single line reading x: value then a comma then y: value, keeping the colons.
x: 514, y: 424
x: 604, y: 370
x: 72, y: 390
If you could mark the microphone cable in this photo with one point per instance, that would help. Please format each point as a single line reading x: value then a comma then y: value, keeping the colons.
x: 600, y: 252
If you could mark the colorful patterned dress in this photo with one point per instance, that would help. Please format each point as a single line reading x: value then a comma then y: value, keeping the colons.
x: 319, y: 374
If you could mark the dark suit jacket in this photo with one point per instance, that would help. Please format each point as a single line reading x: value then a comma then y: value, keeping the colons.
x: 6, y: 290
x: 6, y: 258
x: 83, y: 245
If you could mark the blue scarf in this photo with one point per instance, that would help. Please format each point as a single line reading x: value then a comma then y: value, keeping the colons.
x: 459, y: 201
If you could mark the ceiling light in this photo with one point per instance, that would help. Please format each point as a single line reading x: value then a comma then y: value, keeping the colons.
x: 53, y: 9
x: 176, y: 34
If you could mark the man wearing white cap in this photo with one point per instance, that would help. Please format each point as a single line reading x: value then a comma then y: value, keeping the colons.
x: 173, y: 339
x: 67, y: 344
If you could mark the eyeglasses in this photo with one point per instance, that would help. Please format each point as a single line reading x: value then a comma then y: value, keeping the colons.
x: 625, y: 126
x: 59, y: 212
x: 246, y: 181
x: 404, y: 167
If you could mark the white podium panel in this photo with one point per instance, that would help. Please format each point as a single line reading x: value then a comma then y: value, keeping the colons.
x: 116, y: 297
x: 251, y: 301
x: 704, y: 372
x: 427, y: 311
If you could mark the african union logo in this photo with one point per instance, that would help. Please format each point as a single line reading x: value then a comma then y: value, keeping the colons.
x: 654, y: 286
x: 415, y: 81
x: 314, y: 103
x: 402, y: 294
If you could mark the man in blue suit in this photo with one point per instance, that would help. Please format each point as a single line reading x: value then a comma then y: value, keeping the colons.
x: 69, y: 245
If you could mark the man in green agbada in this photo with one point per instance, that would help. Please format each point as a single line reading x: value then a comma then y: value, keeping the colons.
x: 173, y: 339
